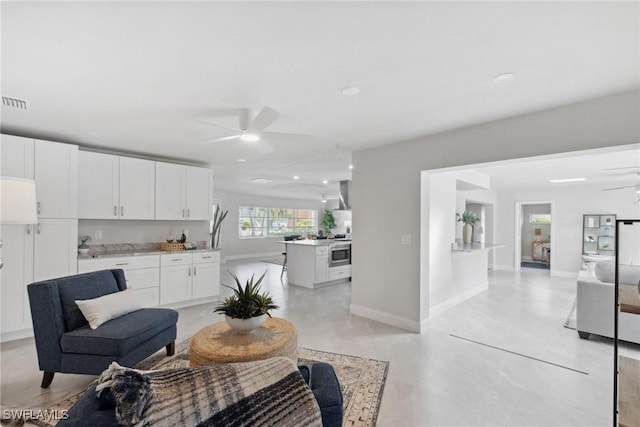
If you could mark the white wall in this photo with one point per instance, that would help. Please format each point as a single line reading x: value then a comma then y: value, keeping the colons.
x: 235, y: 248
x: 528, y: 229
x: 386, y: 282
x: 570, y: 203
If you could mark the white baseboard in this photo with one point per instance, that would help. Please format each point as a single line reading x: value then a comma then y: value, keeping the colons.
x: 452, y: 302
x: 16, y: 335
x: 388, y: 318
x: 569, y: 274
x: 252, y: 256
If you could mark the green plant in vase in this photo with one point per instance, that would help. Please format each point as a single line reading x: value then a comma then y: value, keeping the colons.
x: 469, y: 219
x: 328, y: 222
x: 216, y: 226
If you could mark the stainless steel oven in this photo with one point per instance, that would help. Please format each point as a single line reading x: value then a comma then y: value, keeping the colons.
x: 339, y: 254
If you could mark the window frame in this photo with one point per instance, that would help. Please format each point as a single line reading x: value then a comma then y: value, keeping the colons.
x: 276, y: 222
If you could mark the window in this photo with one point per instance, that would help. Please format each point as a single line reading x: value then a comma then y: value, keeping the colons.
x: 540, y: 218
x: 256, y: 222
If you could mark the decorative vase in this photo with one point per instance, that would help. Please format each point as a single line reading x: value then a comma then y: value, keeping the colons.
x: 245, y: 325
x: 467, y: 229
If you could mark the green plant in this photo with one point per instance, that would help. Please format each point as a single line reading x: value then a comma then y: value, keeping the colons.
x: 218, y: 217
x: 246, y: 302
x: 328, y: 221
x: 469, y: 218
x: 83, y: 242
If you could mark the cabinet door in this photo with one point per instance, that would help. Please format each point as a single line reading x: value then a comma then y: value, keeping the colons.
x: 198, y: 193
x: 170, y: 185
x: 98, y: 186
x: 137, y: 188
x: 206, y: 280
x: 175, y: 284
x: 148, y: 297
x: 322, y: 269
x: 17, y: 273
x: 16, y: 156
x: 55, y: 248
x: 56, y: 174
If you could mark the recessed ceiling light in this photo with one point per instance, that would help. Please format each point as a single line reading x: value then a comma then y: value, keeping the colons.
x: 504, y: 77
x: 296, y: 177
x: 563, y: 180
x: 249, y: 137
x: 350, y: 91
x: 350, y: 166
x: 261, y: 180
x: 242, y: 160
x: 325, y: 182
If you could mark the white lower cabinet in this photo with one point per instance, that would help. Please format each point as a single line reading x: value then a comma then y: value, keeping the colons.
x: 337, y: 273
x: 141, y: 272
x: 322, y: 264
x: 189, y: 276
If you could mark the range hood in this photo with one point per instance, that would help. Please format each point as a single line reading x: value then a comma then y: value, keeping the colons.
x: 344, y: 197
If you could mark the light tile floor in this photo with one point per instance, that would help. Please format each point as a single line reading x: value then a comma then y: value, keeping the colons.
x: 540, y: 374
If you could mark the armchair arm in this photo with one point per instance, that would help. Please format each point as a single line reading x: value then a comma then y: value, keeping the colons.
x: 48, y: 323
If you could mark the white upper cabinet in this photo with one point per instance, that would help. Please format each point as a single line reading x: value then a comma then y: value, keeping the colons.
x: 182, y: 192
x: 137, y: 188
x: 56, y: 174
x: 16, y: 156
x: 114, y: 187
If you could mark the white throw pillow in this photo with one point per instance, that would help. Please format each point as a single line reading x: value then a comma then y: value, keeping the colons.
x: 102, y: 309
x: 627, y: 274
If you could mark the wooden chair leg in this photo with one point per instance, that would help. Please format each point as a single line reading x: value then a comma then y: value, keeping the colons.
x: 171, y: 349
x: 47, y: 378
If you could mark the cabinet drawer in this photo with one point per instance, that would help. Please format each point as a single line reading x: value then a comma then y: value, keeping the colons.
x: 125, y: 263
x: 174, y: 259
x: 322, y: 251
x: 143, y: 278
x: 204, y: 257
x: 336, y: 273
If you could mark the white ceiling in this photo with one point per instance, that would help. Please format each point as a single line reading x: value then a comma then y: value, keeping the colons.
x: 128, y: 76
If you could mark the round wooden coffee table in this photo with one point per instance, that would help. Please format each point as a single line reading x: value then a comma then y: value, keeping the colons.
x: 218, y: 343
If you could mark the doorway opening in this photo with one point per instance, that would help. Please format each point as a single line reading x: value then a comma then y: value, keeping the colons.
x: 534, y: 221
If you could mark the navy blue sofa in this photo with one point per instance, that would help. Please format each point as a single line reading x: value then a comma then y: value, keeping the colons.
x: 66, y: 343
x: 321, y: 378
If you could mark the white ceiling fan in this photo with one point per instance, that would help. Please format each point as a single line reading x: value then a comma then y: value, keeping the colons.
x: 635, y: 186
x: 251, y: 130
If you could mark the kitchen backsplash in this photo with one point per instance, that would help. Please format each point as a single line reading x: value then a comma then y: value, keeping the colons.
x: 140, y: 232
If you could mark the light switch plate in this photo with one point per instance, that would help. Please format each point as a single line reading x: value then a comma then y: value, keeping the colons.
x: 405, y: 240
x: 97, y: 235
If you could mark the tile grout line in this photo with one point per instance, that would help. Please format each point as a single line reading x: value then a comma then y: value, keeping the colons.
x: 519, y: 354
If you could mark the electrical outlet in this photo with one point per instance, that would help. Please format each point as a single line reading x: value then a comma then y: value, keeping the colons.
x: 405, y: 240
x: 97, y: 235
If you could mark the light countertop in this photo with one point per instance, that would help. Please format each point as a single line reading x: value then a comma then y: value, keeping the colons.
x: 475, y: 247
x: 308, y: 242
x: 138, y: 252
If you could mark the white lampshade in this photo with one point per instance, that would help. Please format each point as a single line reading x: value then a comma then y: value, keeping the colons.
x: 18, y: 201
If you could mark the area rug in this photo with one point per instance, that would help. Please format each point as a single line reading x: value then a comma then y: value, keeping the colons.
x: 361, y: 380
x: 571, y: 319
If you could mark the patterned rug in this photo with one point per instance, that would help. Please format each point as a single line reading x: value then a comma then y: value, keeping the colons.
x: 361, y: 380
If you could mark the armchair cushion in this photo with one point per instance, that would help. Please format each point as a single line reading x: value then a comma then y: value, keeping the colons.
x: 121, y: 335
x: 72, y: 288
x: 107, y: 307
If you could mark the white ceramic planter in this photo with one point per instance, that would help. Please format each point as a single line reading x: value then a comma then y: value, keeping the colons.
x: 245, y: 325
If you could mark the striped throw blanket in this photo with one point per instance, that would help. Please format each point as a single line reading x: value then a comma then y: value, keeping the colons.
x: 264, y: 393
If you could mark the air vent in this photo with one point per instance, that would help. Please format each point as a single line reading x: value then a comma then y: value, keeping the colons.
x: 16, y: 103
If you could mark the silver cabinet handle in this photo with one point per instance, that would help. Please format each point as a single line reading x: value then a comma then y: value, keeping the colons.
x: 28, y: 228
x: 206, y: 257
x: 177, y: 259
x: 38, y: 208
x: 115, y: 210
x: 189, y: 271
x: 38, y: 228
x: 121, y: 210
x: 123, y: 263
x: 194, y: 270
x: 182, y: 213
x: 188, y: 213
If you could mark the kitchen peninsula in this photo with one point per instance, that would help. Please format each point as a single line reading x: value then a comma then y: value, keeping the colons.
x: 317, y: 263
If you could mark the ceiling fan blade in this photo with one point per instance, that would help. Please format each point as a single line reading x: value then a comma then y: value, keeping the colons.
x: 287, y: 137
x: 263, y: 147
x: 264, y: 119
x: 619, y: 188
x: 224, y: 138
x: 201, y: 120
x: 625, y: 167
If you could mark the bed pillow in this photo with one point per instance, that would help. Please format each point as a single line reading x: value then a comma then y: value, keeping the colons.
x: 102, y: 309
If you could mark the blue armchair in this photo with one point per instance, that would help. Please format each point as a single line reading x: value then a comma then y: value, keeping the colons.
x: 65, y: 342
